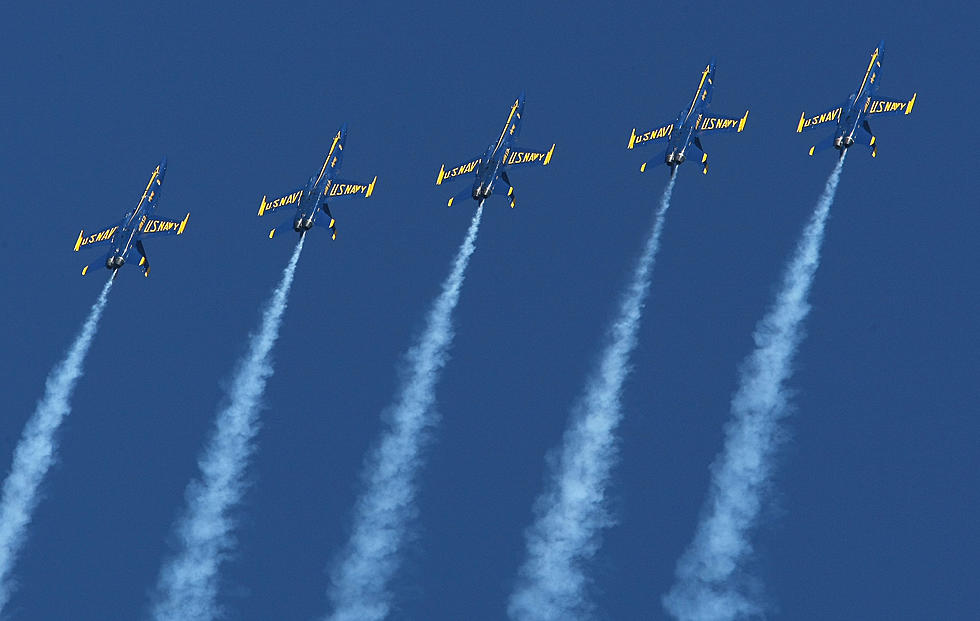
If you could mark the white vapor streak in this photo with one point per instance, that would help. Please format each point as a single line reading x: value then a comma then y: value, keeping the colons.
x: 188, y: 583
x: 571, y: 512
x: 36, y: 450
x: 709, y: 585
x: 359, y: 590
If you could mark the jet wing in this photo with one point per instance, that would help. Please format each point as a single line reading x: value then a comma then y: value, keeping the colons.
x: 658, y: 133
x: 292, y: 198
x: 464, y: 168
x: 99, y: 237
x: 525, y: 157
x: 342, y: 188
x: 156, y: 226
x: 714, y: 124
x: 830, y: 116
x: 885, y: 106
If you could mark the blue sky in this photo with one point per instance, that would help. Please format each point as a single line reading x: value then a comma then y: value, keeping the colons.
x: 874, y: 508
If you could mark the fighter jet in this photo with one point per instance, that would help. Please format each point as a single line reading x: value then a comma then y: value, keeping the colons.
x: 500, y: 155
x: 322, y: 188
x: 852, y: 114
x: 687, y: 129
x: 128, y: 234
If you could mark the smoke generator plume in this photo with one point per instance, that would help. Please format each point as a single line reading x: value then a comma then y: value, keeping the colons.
x: 359, y: 590
x: 709, y: 585
x: 36, y: 450
x: 572, y: 511
x: 188, y: 583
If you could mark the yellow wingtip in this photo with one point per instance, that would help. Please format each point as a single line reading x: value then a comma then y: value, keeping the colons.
x: 271, y: 233
x: 450, y: 203
x: 799, y: 128
x: 78, y: 242
x: 811, y: 149
x: 643, y: 167
x: 84, y: 270
x: 908, y: 110
x: 632, y: 139
x: 142, y: 260
x: 184, y: 223
x: 873, y: 139
x: 704, y: 158
x: 442, y: 174
x: 370, y: 189
x: 547, y: 158
x: 741, y: 124
x: 262, y: 206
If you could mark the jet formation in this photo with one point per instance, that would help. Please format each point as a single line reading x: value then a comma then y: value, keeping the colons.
x: 127, y: 235
x: 852, y: 114
x: 490, y: 171
x: 687, y: 129
x: 313, y: 198
x: 492, y: 166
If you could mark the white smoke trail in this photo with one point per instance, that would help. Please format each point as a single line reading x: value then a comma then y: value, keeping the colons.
x: 359, y: 590
x: 571, y: 512
x: 36, y: 450
x: 188, y: 583
x: 709, y: 585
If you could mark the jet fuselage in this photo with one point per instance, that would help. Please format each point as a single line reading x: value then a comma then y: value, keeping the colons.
x: 123, y: 241
x: 497, y: 152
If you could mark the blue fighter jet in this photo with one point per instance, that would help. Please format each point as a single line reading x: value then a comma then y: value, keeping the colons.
x: 687, y: 129
x: 500, y: 155
x: 852, y: 114
x: 310, y: 200
x: 128, y: 234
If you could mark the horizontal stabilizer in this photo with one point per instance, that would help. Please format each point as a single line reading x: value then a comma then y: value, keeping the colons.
x: 658, y: 158
x: 460, y: 196
x: 823, y: 145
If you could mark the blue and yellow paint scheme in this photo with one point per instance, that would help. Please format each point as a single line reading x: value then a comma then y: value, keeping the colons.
x: 686, y: 130
x: 323, y: 188
x: 851, y: 115
x: 125, y: 237
x: 490, y: 169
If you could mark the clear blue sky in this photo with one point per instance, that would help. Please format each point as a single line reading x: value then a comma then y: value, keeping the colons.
x: 877, y: 494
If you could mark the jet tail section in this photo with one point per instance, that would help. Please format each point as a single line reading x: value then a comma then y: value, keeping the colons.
x: 823, y: 145
x: 460, y: 196
x: 326, y: 221
x: 96, y: 264
x: 659, y: 157
x: 144, y: 261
